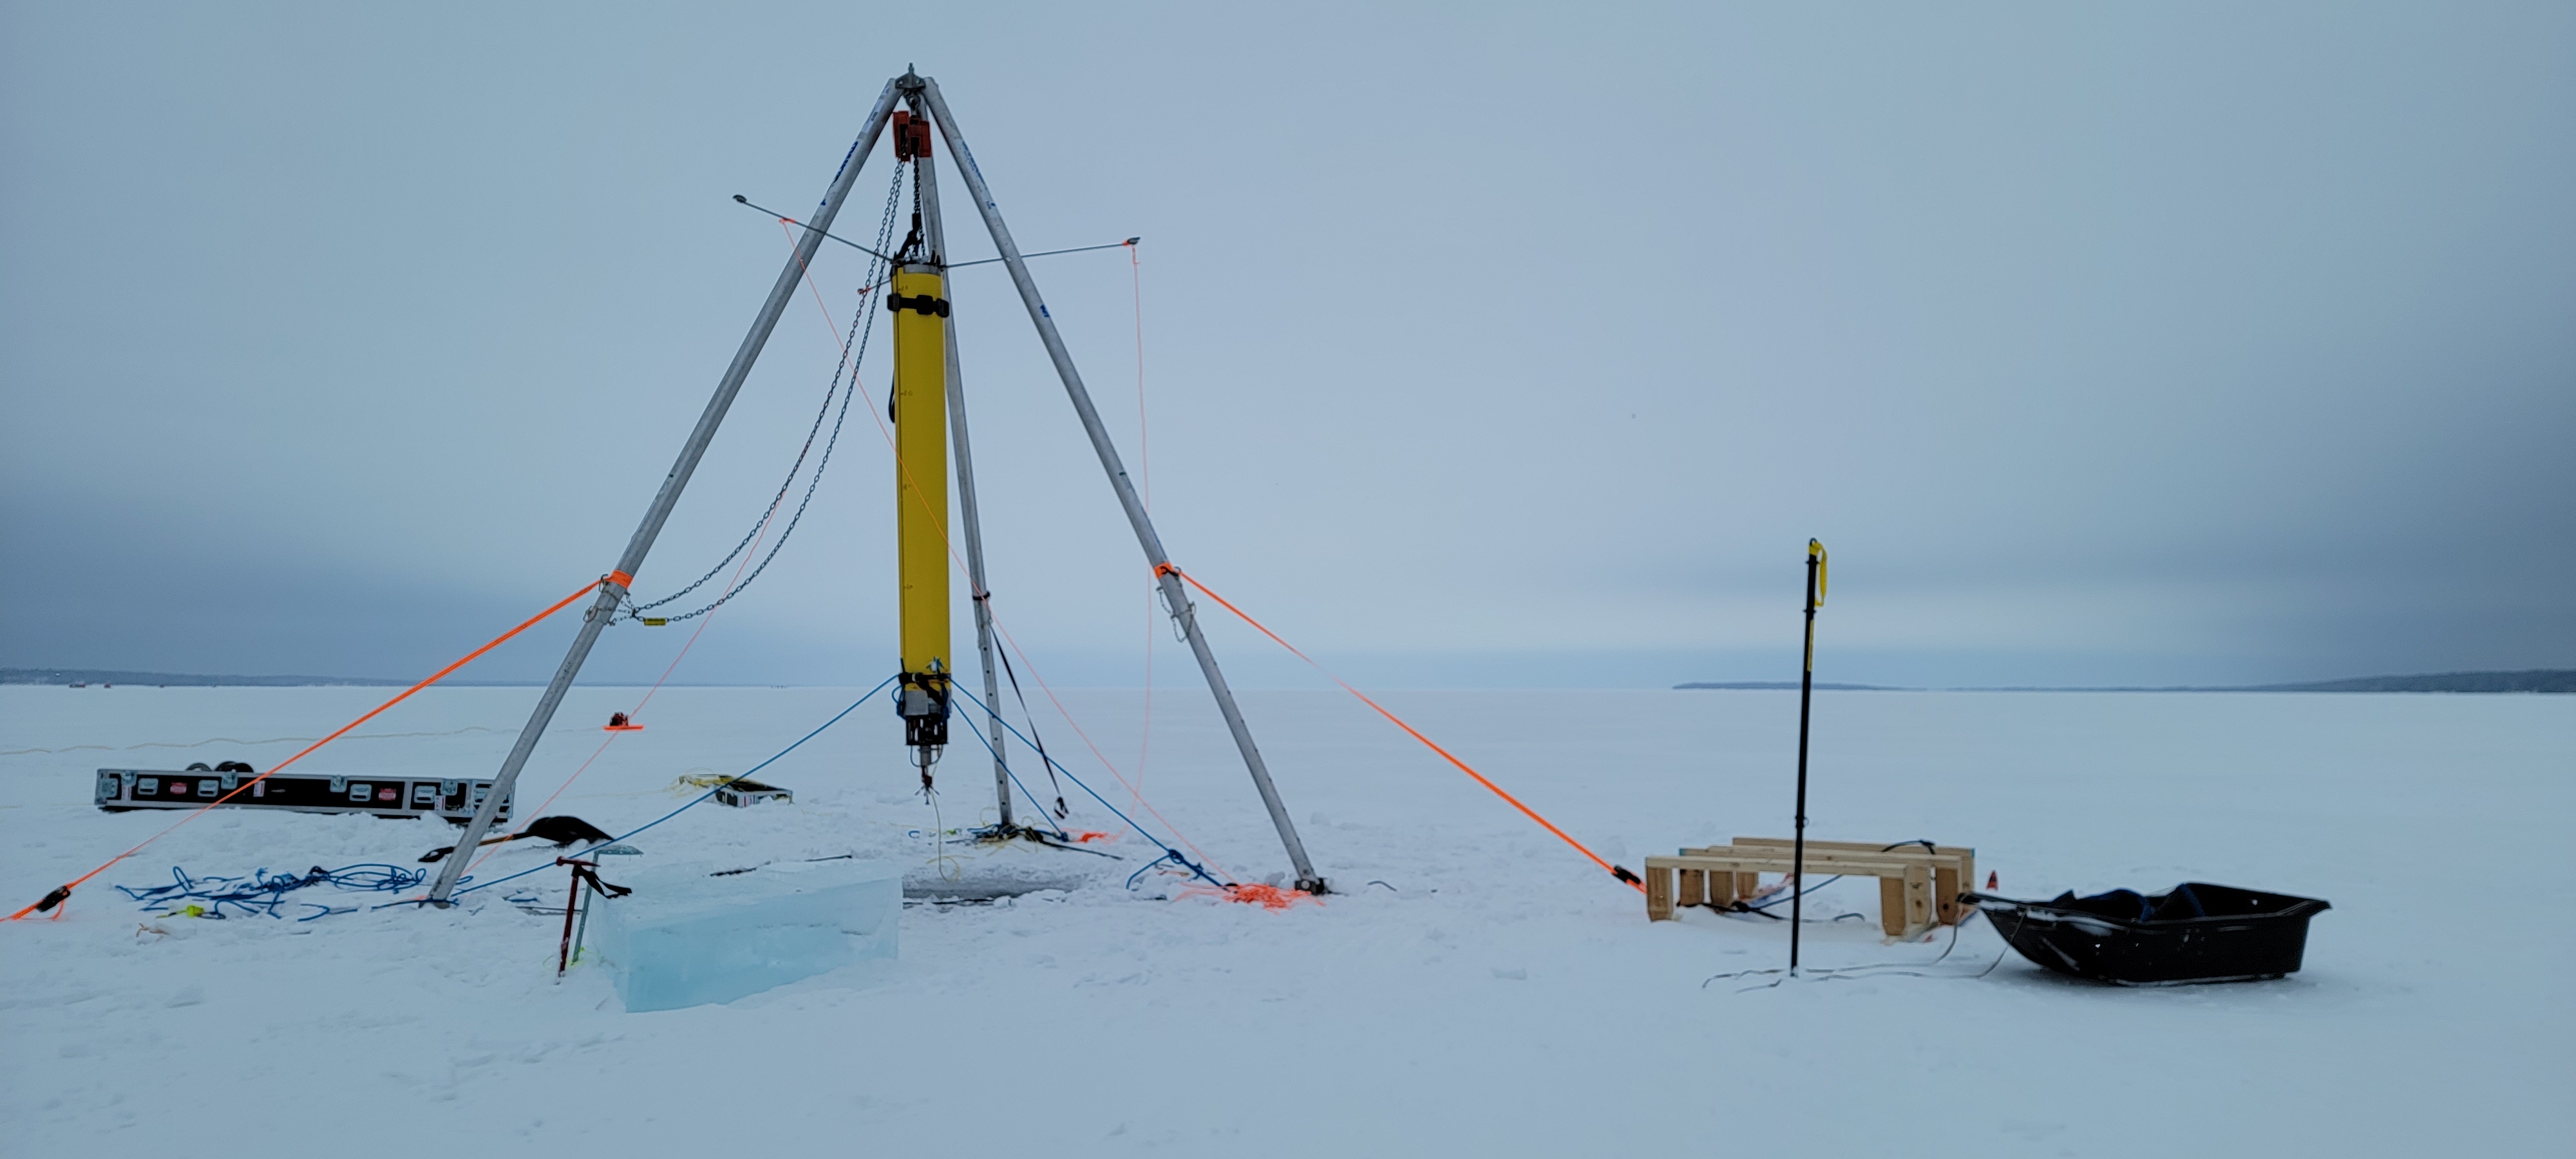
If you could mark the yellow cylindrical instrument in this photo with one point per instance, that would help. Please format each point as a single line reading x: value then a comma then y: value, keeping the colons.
x: 919, y: 301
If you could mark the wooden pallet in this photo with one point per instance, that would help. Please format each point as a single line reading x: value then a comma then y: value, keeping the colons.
x: 1918, y: 888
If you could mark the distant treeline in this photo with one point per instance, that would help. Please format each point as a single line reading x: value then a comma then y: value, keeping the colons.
x: 2561, y: 680
x: 2534, y: 680
x: 114, y: 676
x: 1775, y: 685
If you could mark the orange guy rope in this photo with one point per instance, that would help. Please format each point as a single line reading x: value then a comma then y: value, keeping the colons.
x: 624, y: 580
x: 60, y: 895
x: 637, y: 711
x: 1409, y: 730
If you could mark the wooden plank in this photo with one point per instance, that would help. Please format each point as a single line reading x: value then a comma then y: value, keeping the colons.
x: 1747, y: 884
x: 1782, y: 857
x: 1951, y: 873
x: 1739, y: 863
x: 1779, y: 862
x: 1918, y: 901
x: 1817, y: 856
x: 1968, y: 883
x: 1856, y: 846
x: 1891, y: 906
x: 1814, y: 844
x: 1694, y: 887
x: 1659, y: 891
x: 1846, y: 846
x: 1821, y: 856
x: 1848, y: 864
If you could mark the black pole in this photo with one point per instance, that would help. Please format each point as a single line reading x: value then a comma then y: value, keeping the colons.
x: 1806, y: 696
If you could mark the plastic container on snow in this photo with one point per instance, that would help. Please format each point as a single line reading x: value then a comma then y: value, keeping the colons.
x: 2194, y: 932
x: 688, y: 936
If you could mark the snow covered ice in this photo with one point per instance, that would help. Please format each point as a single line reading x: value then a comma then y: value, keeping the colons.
x: 1473, y: 988
x: 692, y: 934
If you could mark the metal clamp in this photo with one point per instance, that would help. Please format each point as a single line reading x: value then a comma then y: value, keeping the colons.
x: 918, y: 304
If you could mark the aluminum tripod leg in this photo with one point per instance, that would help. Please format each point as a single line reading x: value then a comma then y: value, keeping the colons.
x: 967, y: 514
x: 596, y: 619
x: 1173, y: 595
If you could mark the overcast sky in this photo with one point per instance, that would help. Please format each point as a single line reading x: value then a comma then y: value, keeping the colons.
x: 1482, y: 345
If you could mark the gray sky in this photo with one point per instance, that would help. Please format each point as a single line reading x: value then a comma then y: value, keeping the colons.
x: 1526, y: 346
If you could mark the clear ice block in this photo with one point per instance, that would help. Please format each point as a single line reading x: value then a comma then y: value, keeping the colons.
x: 687, y: 937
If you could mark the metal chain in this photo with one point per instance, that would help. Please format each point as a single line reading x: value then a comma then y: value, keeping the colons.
x: 862, y: 327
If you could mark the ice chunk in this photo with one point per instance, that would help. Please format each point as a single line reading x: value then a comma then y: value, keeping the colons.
x: 688, y: 936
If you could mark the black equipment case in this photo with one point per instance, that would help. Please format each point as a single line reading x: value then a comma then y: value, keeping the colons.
x: 122, y: 789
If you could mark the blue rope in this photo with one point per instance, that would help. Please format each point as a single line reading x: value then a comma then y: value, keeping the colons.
x: 1168, y: 851
x: 818, y: 731
x: 1015, y: 779
x: 262, y: 892
x: 1131, y: 878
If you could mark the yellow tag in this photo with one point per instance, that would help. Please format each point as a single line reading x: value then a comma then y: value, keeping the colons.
x: 1816, y: 552
x: 655, y: 621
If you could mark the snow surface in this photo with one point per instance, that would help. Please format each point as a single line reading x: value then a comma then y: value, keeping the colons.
x: 1496, y: 995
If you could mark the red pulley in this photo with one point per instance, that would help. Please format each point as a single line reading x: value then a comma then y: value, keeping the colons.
x: 911, y: 135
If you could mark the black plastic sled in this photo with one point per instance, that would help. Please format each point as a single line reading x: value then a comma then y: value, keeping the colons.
x: 2194, y: 932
